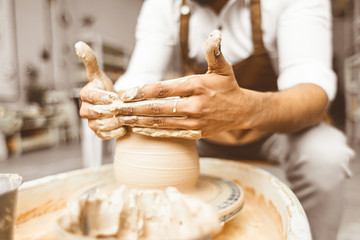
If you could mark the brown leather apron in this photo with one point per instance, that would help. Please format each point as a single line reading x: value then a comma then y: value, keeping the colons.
x: 255, y: 72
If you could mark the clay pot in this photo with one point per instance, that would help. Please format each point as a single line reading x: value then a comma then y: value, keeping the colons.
x: 155, y: 163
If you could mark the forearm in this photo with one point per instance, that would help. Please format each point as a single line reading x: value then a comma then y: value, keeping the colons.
x: 214, y: 102
x: 286, y: 111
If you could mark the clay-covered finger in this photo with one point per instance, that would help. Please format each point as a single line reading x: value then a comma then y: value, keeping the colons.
x: 105, y: 111
x: 106, y: 124
x: 160, y: 122
x: 166, y: 107
x: 95, y: 76
x: 154, y: 107
x: 117, y: 133
x: 213, y: 47
x: 188, y: 134
x: 88, y: 57
x: 180, y: 87
x: 86, y: 111
x: 213, y: 55
x: 97, y: 96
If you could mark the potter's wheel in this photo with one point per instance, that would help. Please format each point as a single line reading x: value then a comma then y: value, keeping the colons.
x: 225, y: 196
x: 282, y: 216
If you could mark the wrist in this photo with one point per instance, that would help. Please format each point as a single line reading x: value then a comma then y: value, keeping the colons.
x: 255, y: 109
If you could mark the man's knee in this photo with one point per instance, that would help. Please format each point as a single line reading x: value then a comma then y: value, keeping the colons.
x: 329, y: 170
x: 326, y: 159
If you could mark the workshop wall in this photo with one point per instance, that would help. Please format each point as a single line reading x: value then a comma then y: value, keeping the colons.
x: 40, y: 74
x: 47, y: 30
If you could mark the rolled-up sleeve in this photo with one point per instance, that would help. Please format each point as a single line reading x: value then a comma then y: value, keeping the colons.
x: 305, y: 46
x: 155, y: 40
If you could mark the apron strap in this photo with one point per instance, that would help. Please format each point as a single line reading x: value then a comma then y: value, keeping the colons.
x: 184, y: 35
x: 185, y: 13
x: 255, y: 10
x: 189, y: 65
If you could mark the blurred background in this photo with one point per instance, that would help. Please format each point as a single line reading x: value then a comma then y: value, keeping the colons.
x: 40, y: 78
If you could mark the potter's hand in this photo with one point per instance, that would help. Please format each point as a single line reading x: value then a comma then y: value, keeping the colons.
x: 212, y: 102
x: 99, y: 91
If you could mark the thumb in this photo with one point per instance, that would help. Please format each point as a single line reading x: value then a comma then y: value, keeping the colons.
x: 214, y: 57
x: 95, y: 75
x: 88, y: 57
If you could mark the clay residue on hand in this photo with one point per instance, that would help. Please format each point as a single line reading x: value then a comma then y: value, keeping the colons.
x: 141, y: 214
x: 87, y: 55
x: 107, y: 96
x: 117, y: 106
x: 130, y: 94
x: 115, y: 133
x: 81, y: 49
x: 137, y: 94
x: 213, y: 47
x: 178, y: 133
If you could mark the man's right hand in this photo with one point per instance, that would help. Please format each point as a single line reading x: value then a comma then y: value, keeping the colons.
x: 99, y: 91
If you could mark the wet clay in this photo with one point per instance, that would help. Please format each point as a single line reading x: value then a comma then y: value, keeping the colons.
x: 141, y: 214
x: 258, y: 219
x: 155, y: 163
x: 38, y: 228
x: 49, y: 206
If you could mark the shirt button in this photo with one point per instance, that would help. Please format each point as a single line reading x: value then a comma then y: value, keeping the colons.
x: 185, y: 10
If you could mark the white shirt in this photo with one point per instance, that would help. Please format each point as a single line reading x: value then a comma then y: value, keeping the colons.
x: 296, y: 33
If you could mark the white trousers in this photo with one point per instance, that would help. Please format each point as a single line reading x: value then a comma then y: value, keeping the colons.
x: 316, y: 163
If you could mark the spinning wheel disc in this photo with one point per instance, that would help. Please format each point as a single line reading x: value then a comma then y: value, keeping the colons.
x: 225, y: 196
